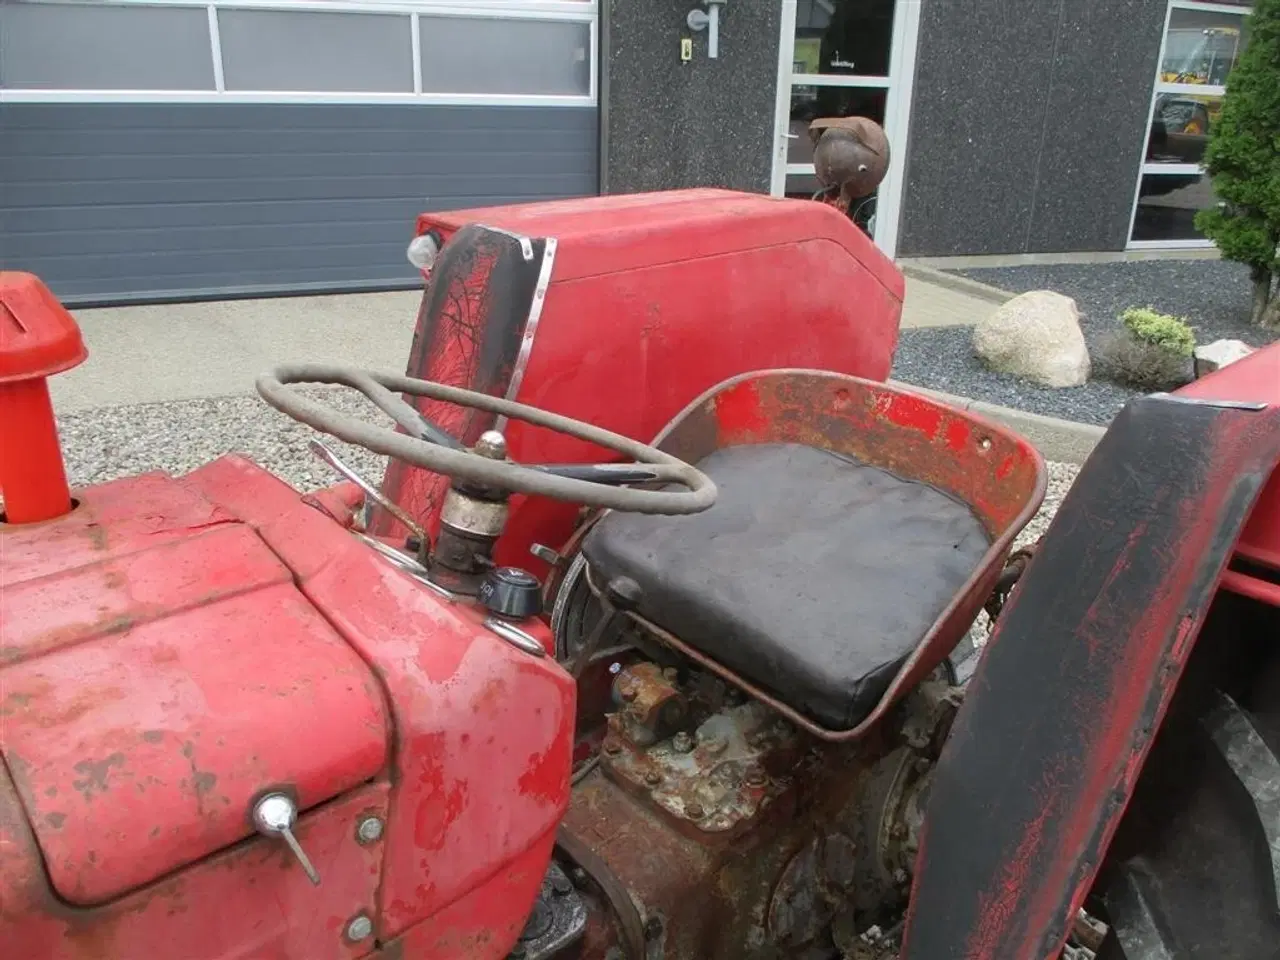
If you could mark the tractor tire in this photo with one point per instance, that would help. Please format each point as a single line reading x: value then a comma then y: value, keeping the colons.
x: 1194, y: 873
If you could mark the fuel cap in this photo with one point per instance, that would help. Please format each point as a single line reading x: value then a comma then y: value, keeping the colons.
x: 511, y: 592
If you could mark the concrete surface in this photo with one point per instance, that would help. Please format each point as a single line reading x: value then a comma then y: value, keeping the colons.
x: 936, y: 299
x: 190, y: 351
x: 202, y: 351
x: 187, y: 351
x: 983, y: 261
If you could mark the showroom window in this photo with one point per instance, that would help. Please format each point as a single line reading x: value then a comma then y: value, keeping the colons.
x: 1202, y: 43
x: 535, y: 52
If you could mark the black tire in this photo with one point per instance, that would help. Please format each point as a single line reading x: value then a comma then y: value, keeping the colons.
x: 1194, y: 873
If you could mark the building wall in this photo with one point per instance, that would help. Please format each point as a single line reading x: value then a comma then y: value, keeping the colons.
x: 158, y: 152
x: 112, y: 202
x: 1027, y: 125
x: 671, y: 124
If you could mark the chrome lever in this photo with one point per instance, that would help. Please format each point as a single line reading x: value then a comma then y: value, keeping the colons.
x: 327, y: 454
x: 275, y: 815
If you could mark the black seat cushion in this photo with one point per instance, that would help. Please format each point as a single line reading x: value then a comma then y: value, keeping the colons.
x: 813, y: 576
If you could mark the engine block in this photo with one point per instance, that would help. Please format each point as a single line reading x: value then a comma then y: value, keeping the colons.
x: 740, y: 836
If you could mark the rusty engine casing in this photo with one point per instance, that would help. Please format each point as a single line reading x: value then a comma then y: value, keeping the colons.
x: 742, y: 836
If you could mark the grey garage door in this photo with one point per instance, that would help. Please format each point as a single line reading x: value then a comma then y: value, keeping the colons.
x: 218, y: 149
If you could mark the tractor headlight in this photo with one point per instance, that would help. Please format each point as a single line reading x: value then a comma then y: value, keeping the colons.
x: 424, y: 249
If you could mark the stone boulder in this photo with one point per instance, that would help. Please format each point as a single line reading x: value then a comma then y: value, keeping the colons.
x: 1220, y: 353
x: 1035, y: 335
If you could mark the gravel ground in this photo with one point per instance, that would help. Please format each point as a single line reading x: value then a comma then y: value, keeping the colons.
x: 176, y: 437
x: 1214, y: 295
x: 179, y: 436
x: 942, y: 358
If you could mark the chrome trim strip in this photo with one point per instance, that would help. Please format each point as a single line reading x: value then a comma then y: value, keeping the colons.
x: 515, y: 636
x: 531, y: 325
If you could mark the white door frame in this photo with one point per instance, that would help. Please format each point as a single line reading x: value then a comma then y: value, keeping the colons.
x: 897, y: 121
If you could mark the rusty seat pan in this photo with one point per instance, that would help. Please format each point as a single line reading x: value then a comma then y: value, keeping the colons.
x: 814, y: 575
x: 859, y: 529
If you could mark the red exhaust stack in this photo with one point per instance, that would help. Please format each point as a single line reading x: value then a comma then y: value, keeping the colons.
x: 38, y: 338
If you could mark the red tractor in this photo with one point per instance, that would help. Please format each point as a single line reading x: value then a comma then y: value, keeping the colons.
x: 550, y: 692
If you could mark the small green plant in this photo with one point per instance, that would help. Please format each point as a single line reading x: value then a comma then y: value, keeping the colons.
x: 1124, y: 359
x: 1149, y: 326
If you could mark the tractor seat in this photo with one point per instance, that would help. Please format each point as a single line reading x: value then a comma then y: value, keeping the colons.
x: 813, y: 576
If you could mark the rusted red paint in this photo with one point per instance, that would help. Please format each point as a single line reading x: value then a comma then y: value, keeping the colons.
x: 1256, y: 378
x: 697, y: 286
x: 140, y: 689
x: 1076, y: 678
x: 999, y: 474
x: 469, y: 711
x: 248, y: 900
x: 476, y: 926
x: 173, y: 648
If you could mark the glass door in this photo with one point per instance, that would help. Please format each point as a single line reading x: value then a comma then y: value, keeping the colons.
x: 843, y: 58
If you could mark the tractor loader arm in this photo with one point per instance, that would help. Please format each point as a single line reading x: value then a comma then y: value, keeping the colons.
x: 1078, y: 674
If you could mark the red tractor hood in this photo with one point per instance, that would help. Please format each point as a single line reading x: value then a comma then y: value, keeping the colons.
x: 159, y: 670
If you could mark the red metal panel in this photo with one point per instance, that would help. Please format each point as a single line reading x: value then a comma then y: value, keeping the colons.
x: 249, y: 902
x: 624, y: 232
x: 655, y: 299
x: 114, y: 519
x: 1255, y: 378
x: 483, y: 731
x: 123, y: 591
x: 38, y: 338
x: 1073, y: 685
x: 465, y: 930
x: 136, y: 691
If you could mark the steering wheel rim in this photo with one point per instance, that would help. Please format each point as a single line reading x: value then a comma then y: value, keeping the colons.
x: 461, y: 464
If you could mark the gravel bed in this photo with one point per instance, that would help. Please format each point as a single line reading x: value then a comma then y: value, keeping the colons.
x: 942, y: 358
x: 177, y: 437
x: 1061, y: 476
x: 1214, y: 295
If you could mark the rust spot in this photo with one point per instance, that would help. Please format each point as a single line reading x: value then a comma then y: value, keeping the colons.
x: 97, y: 535
x: 14, y: 702
x: 490, y: 697
x: 50, y: 791
x: 153, y: 736
x: 164, y: 654
x: 95, y: 773
x: 202, y: 781
x: 56, y: 820
x: 84, y: 702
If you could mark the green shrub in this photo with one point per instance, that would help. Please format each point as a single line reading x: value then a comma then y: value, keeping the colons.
x: 1123, y: 358
x: 1170, y: 333
x: 1243, y: 158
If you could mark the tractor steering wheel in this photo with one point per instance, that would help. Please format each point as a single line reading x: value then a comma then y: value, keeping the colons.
x: 426, y: 445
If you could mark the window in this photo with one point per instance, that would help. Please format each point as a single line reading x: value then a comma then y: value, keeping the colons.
x: 432, y: 51
x: 1202, y: 43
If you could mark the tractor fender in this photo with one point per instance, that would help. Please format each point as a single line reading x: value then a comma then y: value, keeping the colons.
x: 1074, y: 683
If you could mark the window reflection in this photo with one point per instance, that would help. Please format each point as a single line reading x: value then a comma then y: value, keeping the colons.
x: 1202, y: 47
x: 810, y: 103
x: 843, y: 37
x: 1180, y: 128
x: 1167, y: 206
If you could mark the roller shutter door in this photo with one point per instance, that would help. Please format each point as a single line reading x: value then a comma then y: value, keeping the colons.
x: 156, y: 151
